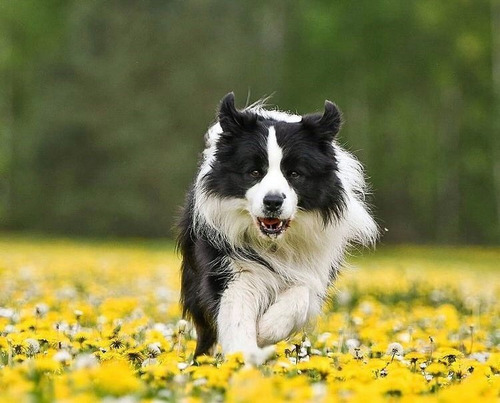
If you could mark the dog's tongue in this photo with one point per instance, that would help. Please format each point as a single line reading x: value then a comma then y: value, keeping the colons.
x: 270, y: 221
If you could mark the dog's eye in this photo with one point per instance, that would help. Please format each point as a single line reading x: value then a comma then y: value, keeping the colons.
x: 294, y: 174
x: 255, y: 174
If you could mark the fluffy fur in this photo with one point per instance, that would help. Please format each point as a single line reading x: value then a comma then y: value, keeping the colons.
x: 266, y: 224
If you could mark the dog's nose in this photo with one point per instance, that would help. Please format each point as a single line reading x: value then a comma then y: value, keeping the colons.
x: 273, y: 202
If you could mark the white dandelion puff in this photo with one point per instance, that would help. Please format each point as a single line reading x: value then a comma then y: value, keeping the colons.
x: 182, y: 325
x: 86, y: 361
x: 62, y: 356
x: 154, y: 349
x: 33, y: 346
x: 41, y: 310
x: 395, y: 349
x: 351, y: 344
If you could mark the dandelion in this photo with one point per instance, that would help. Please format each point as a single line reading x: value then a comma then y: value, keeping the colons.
x: 85, y: 361
x: 413, y: 357
x: 394, y: 349
x: 182, y: 365
x: 133, y: 347
x: 62, y: 356
x: 480, y: 357
x: 436, y: 369
x: 449, y: 354
x: 182, y: 325
x: 134, y: 355
x: 41, y: 310
x: 324, y: 337
x: 116, y: 343
x: 352, y: 344
x: 431, y: 339
x: 471, y: 328
x: 154, y: 349
x: 33, y: 346
x: 148, y: 362
x: 356, y: 352
x: 7, y: 313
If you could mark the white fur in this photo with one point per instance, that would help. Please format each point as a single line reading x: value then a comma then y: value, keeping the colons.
x: 261, y: 306
x: 238, y: 315
x: 273, y: 183
x: 287, y: 315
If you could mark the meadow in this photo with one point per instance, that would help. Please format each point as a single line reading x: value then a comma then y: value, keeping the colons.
x: 88, y: 321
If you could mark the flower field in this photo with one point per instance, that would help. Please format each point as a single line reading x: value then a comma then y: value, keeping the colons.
x: 88, y: 321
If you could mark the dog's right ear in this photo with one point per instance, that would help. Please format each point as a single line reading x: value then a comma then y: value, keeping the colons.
x: 232, y: 120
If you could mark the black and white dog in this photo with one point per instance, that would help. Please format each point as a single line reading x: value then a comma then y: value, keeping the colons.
x: 266, y: 224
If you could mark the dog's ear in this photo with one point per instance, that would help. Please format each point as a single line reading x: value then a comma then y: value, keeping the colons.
x: 232, y: 120
x: 325, y: 125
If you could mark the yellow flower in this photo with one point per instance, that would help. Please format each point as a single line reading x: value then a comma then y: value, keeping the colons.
x: 436, y: 368
x: 215, y: 377
x: 46, y: 364
x: 321, y: 365
x: 115, y: 378
x: 116, y: 337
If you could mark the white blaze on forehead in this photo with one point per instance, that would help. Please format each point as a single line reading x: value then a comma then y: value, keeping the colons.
x: 273, y: 182
x: 274, y: 152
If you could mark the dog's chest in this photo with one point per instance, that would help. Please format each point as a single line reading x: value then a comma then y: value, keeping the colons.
x: 282, y: 269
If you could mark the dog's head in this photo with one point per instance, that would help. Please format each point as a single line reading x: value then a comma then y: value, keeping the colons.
x: 277, y: 166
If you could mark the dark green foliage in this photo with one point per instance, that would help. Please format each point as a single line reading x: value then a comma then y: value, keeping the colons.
x: 103, y: 105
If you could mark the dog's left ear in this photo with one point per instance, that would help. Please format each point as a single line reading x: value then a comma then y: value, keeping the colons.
x: 326, y: 125
x: 232, y: 120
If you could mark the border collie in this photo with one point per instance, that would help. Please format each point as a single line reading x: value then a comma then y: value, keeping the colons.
x: 274, y: 205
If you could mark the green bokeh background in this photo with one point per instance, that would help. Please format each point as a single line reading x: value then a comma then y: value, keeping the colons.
x: 103, y: 105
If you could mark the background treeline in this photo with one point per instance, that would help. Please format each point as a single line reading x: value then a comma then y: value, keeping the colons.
x: 103, y: 105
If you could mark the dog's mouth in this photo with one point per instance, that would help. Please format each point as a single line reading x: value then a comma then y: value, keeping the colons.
x: 271, y: 226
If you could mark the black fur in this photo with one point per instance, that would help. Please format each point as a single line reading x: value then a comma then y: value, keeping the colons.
x: 203, y: 280
x: 310, y: 166
x: 307, y: 150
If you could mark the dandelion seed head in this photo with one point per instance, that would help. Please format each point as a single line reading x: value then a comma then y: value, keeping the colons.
x: 33, y: 346
x: 182, y: 325
x: 395, y: 349
x: 154, y: 349
x: 7, y: 313
x: 182, y: 365
x: 323, y: 337
x: 62, y: 356
x: 352, y: 343
x: 149, y: 361
x: 41, y: 309
x: 85, y: 361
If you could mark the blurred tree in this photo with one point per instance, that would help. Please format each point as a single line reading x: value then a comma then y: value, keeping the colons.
x: 104, y: 105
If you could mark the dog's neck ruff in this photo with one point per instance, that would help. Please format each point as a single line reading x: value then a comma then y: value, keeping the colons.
x: 309, y: 242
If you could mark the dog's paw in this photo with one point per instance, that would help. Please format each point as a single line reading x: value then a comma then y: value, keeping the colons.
x: 286, y: 316
x: 272, y: 329
x: 258, y: 356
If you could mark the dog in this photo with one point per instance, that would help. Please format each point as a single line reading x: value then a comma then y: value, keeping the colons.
x: 275, y: 203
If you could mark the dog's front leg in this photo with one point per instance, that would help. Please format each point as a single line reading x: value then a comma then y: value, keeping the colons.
x: 239, y: 309
x: 287, y: 315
